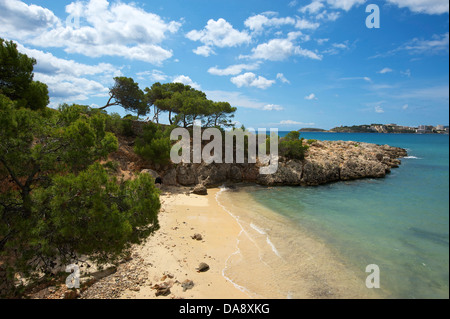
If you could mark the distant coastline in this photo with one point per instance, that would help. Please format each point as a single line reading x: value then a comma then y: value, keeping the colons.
x: 383, y: 128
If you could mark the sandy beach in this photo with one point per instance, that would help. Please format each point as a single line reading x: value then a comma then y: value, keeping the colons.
x: 243, y: 262
x: 172, y: 255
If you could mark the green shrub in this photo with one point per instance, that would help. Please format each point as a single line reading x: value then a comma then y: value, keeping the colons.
x: 291, y: 146
x: 154, y: 145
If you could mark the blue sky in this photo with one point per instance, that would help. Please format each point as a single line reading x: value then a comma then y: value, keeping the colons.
x: 285, y: 64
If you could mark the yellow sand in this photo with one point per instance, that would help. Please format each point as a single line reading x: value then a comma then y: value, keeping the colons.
x: 172, y: 249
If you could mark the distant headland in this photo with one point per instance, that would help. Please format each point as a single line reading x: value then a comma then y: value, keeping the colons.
x: 383, y: 128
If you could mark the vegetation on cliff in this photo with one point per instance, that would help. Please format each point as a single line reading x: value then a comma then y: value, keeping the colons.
x: 57, y: 202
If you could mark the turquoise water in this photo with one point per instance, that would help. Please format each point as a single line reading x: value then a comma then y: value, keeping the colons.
x: 400, y: 223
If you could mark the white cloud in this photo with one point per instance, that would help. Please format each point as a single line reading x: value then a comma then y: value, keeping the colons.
x: 345, y: 4
x: 307, y: 53
x: 233, y: 69
x: 69, y: 88
x: 328, y: 16
x: 313, y: 7
x: 438, y: 44
x: 186, y: 80
x: 69, y: 81
x: 405, y: 107
x: 379, y: 109
x: 204, y: 50
x: 17, y: 18
x: 310, y: 97
x: 305, y: 24
x: 250, y: 79
x: 258, y: 22
x: 272, y: 107
x: 423, y: 6
x: 406, y: 73
x: 274, y: 50
x: 117, y: 29
x: 282, y: 78
x: 238, y: 99
x: 219, y: 33
x: 291, y: 122
x: 385, y: 70
x: 293, y: 3
x: 279, y: 50
x: 47, y: 63
x: 365, y: 78
x: 340, y: 45
x: 322, y: 41
x: 154, y: 75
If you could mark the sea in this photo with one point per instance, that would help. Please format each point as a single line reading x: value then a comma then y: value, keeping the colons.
x: 398, y: 224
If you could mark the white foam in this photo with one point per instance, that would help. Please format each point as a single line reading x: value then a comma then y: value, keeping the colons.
x: 262, y: 232
x: 412, y: 157
x: 272, y: 246
x: 259, y: 230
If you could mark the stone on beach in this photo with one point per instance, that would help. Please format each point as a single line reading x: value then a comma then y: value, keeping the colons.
x: 200, y: 189
x: 202, y: 267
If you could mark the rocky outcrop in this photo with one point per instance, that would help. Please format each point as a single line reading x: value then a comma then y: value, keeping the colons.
x: 325, y: 162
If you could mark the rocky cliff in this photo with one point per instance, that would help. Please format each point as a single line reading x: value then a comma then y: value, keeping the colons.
x: 326, y: 161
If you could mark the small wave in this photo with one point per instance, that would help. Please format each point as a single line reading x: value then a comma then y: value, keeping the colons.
x: 412, y: 157
x: 272, y: 246
x: 262, y: 232
x: 259, y: 230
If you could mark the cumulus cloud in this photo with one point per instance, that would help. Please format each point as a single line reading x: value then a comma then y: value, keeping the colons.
x: 423, y: 6
x: 345, y: 5
x: 282, y: 78
x: 68, y: 80
x: 240, y: 100
x: 204, y: 50
x: 233, y: 69
x: 305, y: 24
x: 281, y: 49
x: 218, y: 33
x: 251, y: 79
x: 186, y: 80
x: 117, y: 29
x: 313, y: 7
x: 19, y: 18
x: 258, y: 22
x: 310, y: 97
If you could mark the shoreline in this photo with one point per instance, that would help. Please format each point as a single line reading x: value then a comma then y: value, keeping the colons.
x: 243, y: 257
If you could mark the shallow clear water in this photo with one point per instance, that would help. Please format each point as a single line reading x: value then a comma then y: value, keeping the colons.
x: 400, y: 223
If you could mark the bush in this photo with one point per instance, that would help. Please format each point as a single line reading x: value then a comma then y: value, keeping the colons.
x: 291, y: 146
x: 56, y: 201
x: 154, y: 145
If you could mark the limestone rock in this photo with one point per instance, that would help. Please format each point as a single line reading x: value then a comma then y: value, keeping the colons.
x: 200, y: 189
